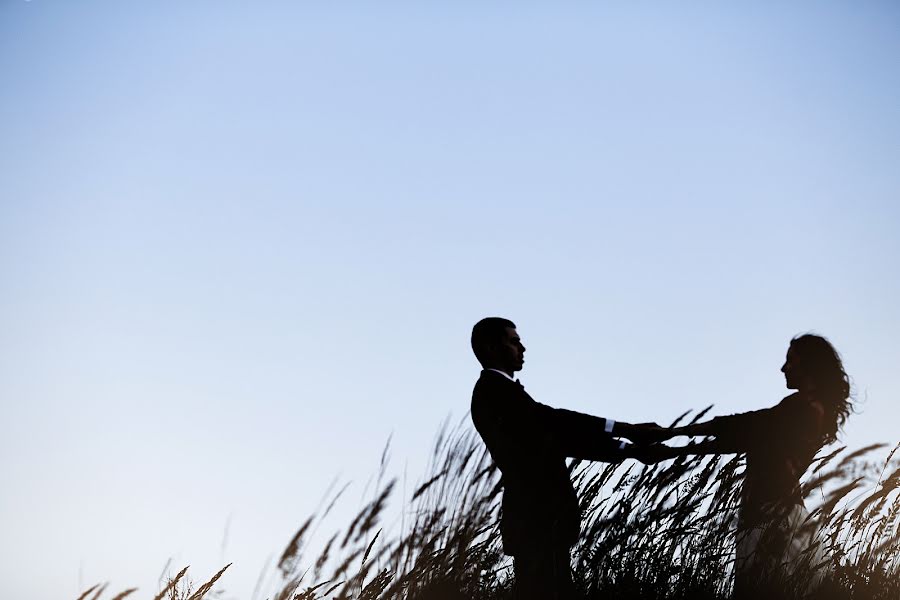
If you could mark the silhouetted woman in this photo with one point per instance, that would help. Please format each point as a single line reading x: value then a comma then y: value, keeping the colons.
x: 780, y: 443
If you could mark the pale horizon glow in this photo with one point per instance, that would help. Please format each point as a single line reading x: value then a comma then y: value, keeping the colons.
x: 241, y: 246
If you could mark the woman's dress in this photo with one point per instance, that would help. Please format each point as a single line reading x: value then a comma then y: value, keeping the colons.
x: 776, y: 541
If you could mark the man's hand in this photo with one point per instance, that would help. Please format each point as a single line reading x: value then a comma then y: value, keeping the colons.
x: 642, y: 433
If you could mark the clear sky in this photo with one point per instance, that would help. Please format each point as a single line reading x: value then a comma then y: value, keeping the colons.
x: 243, y: 243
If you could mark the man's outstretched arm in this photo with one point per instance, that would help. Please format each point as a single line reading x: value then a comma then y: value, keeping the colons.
x: 594, y: 438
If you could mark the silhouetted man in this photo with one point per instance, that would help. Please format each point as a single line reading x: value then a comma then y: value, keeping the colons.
x: 529, y: 442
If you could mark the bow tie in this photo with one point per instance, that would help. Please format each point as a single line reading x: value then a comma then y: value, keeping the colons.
x: 519, y: 383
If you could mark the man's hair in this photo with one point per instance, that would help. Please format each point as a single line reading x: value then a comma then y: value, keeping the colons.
x: 488, y: 331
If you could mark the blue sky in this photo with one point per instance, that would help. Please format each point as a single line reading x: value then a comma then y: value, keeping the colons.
x: 241, y: 245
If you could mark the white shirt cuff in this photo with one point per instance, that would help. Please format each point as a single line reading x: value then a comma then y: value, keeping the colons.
x: 609, y: 425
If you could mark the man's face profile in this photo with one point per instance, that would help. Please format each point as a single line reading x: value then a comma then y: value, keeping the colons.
x: 509, y: 353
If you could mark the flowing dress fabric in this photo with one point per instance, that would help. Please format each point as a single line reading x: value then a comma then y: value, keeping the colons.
x: 775, y: 537
x: 789, y: 547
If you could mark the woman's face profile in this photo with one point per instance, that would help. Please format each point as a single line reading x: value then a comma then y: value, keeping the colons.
x: 790, y: 369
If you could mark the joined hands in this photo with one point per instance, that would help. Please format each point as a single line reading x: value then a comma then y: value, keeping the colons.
x: 646, y: 438
x: 654, y: 453
x: 643, y: 434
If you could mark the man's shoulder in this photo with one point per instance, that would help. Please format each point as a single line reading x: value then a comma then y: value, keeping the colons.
x: 491, y: 385
x: 494, y: 380
x: 494, y: 395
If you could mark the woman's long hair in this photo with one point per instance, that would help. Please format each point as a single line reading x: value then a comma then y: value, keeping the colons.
x: 817, y: 359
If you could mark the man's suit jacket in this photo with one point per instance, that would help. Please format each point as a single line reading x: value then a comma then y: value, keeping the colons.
x: 529, y: 442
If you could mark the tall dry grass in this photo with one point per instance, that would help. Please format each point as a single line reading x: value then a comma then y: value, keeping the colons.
x: 662, y: 532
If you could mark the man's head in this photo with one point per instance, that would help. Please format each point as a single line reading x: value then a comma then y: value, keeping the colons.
x: 497, y: 345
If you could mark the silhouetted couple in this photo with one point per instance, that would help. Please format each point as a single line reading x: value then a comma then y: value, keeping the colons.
x: 530, y: 441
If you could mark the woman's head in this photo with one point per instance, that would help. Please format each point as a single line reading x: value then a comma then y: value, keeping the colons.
x: 813, y: 365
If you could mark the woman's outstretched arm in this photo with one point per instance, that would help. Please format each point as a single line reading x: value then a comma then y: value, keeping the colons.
x: 711, y: 446
x: 739, y: 432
